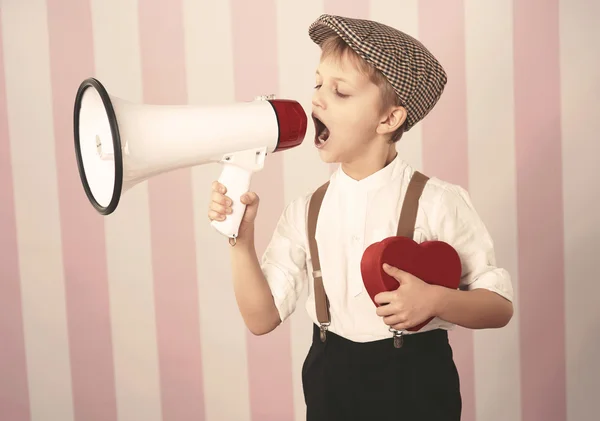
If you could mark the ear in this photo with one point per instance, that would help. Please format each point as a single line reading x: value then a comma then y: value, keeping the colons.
x: 392, y: 120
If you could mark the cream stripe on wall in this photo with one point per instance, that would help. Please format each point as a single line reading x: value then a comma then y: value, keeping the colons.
x: 491, y: 184
x: 355, y: 9
x: 31, y: 131
x: 117, y: 59
x: 445, y: 144
x: 404, y: 16
x: 209, y: 61
x: 580, y: 93
x: 255, y: 68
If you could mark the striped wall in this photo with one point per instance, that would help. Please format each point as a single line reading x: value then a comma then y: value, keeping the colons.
x: 132, y: 317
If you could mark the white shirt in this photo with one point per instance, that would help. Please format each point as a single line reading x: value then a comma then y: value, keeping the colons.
x: 355, y: 214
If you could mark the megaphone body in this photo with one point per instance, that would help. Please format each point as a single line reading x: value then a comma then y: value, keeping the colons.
x: 119, y: 144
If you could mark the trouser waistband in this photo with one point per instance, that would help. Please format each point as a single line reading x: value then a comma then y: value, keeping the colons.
x: 416, y: 341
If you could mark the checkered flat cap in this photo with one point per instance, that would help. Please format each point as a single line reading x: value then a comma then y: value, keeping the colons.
x: 414, y: 73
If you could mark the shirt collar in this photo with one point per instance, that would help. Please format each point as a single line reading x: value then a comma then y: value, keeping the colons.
x: 373, y: 181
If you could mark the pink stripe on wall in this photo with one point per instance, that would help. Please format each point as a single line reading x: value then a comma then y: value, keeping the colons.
x: 172, y: 223
x: 540, y: 209
x: 14, y: 392
x: 82, y: 230
x: 255, y: 73
x: 445, y: 145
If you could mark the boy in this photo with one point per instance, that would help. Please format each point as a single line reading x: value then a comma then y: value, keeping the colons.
x: 373, y: 84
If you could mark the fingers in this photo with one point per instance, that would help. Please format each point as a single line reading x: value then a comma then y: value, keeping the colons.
x: 399, y: 318
x: 395, y: 272
x: 384, y: 298
x: 218, y: 187
x: 395, y: 320
x: 392, y: 310
x: 404, y: 324
x: 386, y: 310
x: 220, y: 205
x: 220, y: 199
x: 216, y: 215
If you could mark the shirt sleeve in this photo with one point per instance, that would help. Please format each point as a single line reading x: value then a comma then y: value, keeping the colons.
x: 284, y: 260
x: 460, y: 226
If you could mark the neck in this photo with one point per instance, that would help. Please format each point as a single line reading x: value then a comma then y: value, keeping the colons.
x: 369, y: 163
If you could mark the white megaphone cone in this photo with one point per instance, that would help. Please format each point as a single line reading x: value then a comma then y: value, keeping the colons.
x: 119, y: 144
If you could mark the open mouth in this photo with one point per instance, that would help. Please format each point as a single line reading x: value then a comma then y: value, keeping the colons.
x: 321, y: 132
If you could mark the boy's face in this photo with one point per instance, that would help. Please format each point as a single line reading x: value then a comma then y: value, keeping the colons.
x: 347, y: 110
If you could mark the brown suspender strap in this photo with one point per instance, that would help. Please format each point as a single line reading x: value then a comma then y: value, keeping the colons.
x: 410, y: 205
x: 406, y: 227
x: 321, y: 302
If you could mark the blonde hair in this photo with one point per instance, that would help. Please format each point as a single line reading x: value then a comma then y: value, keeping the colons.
x: 335, y: 47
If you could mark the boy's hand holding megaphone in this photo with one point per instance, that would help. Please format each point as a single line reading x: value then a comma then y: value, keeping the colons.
x: 221, y: 205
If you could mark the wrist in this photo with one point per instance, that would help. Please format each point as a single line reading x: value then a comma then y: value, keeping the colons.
x: 245, y: 238
x: 439, y: 299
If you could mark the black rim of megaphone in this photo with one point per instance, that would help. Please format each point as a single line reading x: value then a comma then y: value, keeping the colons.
x: 118, y: 157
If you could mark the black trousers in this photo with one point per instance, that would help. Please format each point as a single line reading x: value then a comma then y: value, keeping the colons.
x: 345, y: 380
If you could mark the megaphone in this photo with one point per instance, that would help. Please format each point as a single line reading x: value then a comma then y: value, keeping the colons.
x: 119, y: 144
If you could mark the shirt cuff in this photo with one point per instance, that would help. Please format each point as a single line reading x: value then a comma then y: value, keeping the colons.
x: 496, y: 280
x: 285, y: 296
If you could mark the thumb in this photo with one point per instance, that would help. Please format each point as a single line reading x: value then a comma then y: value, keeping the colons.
x: 251, y: 200
x: 396, y: 273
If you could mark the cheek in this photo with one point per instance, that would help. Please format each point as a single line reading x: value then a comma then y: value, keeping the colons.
x: 358, y: 127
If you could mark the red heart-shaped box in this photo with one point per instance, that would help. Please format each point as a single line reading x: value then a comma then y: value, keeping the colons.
x: 434, y: 262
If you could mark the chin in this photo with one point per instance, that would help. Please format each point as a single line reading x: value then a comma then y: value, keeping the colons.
x: 328, y: 157
x: 325, y: 157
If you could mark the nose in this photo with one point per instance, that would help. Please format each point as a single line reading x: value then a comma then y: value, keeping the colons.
x: 317, y: 100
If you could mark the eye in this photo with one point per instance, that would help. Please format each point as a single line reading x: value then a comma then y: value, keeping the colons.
x: 317, y: 86
x: 341, y: 95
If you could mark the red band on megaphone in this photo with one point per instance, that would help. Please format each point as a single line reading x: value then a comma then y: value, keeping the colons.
x: 292, y: 122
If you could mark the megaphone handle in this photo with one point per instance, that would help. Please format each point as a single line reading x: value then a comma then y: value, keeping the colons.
x: 237, y: 181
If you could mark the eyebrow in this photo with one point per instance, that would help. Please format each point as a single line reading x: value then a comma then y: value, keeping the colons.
x: 339, y: 79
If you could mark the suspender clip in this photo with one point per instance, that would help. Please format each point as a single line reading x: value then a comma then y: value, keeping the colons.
x: 398, y: 339
x: 323, y: 333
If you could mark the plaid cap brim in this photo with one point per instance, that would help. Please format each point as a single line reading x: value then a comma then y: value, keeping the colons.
x: 415, y: 74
